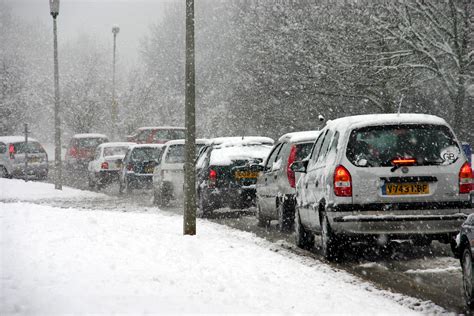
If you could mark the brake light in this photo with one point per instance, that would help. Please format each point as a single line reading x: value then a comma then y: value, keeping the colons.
x: 104, y: 165
x: 73, y: 152
x: 290, y: 173
x: 212, y: 179
x: 401, y: 161
x: 466, y: 179
x: 342, y: 182
x: 11, y: 150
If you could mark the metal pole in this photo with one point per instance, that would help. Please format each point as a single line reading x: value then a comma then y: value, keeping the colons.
x: 189, y: 226
x: 114, y: 104
x: 57, y: 122
x: 26, y: 152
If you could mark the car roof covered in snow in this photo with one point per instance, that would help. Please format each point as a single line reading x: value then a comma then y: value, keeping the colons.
x: 159, y: 127
x: 241, y: 140
x: 351, y: 122
x: 15, y: 139
x: 147, y: 146
x: 181, y: 141
x: 116, y: 144
x: 299, y: 137
x: 90, y: 135
x: 224, y: 155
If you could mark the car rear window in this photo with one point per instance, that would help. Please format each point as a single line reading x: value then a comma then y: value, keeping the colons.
x: 175, y: 154
x: 378, y: 146
x: 168, y: 134
x: 89, y: 142
x: 115, y: 151
x: 32, y: 148
x: 303, y: 150
x: 146, y: 154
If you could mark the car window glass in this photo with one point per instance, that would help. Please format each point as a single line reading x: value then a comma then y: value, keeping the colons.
x: 178, y: 134
x: 115, y: 151
x: 90, y: 142
x: 97, y: 154
x: 31, y: 148
x: 143, y: 136
x: 316, y: 147
x: 202, y: 158
x: 303, y: 150
x: 271, y: 158
x: 175, y: 154
x: 141, y: 154
x: 3, y: 148
x: 335, y: 142
x: 325, y: 146
x: 282, y: 153
x: 426, y: 144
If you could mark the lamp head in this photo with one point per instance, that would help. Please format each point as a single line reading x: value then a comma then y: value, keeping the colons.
x: 115, y: 29
x: 54, y: 7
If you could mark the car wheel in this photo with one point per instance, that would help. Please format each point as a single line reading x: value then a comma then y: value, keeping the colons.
x: 262, y: 220
x: 91, y: 183
x: 157, y: 197
x: 3, y: 172
x: 204, y: 206
x: 330, y: 246
x: 303, y: 238
x: 127, y: 188
x: 286, y: 216
x: 120, y: 187
x: 467, y: 282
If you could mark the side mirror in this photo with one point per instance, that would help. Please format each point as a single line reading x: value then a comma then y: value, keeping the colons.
x: 299, y: 166
x: 466, y: 147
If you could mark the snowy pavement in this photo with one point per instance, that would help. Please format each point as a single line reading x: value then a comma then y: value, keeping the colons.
x: 56, y: 261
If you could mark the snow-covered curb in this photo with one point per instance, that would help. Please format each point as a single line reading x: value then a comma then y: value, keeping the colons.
x: 19, y: 190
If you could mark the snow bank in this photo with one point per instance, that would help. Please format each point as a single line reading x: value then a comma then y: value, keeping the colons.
x: 15, y: 189
x: 58, y: 261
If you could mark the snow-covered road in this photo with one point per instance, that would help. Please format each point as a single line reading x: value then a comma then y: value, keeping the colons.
x: 56, y: 260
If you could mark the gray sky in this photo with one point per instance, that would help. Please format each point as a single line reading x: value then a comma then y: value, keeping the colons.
x: 96, y: 17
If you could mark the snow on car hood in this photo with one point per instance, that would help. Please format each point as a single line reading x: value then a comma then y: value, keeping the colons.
x: 225, y: 155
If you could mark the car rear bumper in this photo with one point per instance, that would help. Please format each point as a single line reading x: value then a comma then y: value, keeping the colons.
x: 399, y: 222
x: 39, y: 171
x: 140, y: 180
x: 107, y: 176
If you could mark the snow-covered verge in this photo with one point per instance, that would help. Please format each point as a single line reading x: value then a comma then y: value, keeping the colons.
x: 56, y: 261
x: 19, y: 190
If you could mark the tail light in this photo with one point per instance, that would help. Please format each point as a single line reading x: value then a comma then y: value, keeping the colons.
x: 290, y: 173
x: 130, y: 167
x: 466, y: 179
x: 104, y: 165
x: 72, y: 151
x: 342, y: 182
x: 212, y: 179
x: 11, y: 150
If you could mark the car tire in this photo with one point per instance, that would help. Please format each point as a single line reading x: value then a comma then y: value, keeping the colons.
x: 286, y: 216
x: 467, y: 276
x: 91, y: 183
x: 303, y: 238
x: 205, y: 207
x: 127, y: 188
x: 157, y: 197
x: 262, y: 220
x: 3, y: 172
x: 330, y: 246
x: 120, y: 187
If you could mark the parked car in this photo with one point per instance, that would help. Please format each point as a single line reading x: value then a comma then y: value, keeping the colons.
x: 398, y: 176
x: 14, y: 151
x: 81, y: 150
x: 107, y: 163
x: 158, y: 134
x: 276, y: 184
x: 464, y: 240
x: 225, y: 176
x: 168, y: 177
x: 138, y: 165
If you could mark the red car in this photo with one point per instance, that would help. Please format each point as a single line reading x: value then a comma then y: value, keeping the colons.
x: 82, y: 148
x: 157, y: 135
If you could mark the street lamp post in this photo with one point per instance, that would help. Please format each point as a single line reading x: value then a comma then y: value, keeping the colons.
x: 115, y: 31
x: 189, y: 227
x: 54, y: 10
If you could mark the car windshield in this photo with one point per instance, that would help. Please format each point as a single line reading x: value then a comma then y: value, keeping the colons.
x: 378, y: 146
x: 303, y: 150
x: 146, y: 154
x: 31, y: 148
x: 115, y: 151
x: 90, y: 142
x: 168, y: 134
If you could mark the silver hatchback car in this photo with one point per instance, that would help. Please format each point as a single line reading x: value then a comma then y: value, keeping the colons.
x: 382, y: 176
x: 14, y: 151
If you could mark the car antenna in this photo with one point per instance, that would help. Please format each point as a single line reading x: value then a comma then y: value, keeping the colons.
x: 400, y: 104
